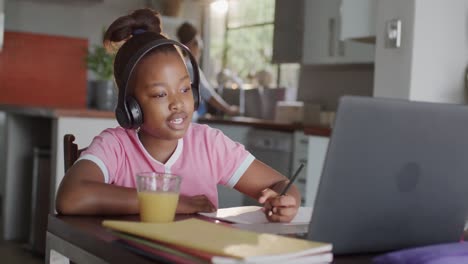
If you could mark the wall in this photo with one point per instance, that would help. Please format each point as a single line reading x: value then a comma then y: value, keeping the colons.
x: 58, y: 22
x: 43, y: 70
x: 82, y: 19
x: 326, y: 84
x: 440, y: 51
x: 431, y: 62
x: 85, y: 20
x: 393, y: 66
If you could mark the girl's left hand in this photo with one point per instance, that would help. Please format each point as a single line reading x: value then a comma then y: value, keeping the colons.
x: 278, y: 208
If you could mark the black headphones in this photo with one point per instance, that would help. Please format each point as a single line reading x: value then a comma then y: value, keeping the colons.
x: 128, y: 111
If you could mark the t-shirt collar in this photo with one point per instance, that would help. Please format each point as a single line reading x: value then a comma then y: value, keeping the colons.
x: 174, y: 157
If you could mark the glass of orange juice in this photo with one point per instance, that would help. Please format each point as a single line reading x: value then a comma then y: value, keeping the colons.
x: 158, y: 195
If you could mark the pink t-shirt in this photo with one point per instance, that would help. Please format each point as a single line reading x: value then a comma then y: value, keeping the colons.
x: 204, y: 157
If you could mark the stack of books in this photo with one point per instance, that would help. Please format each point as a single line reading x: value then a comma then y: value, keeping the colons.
x: 198, y: 241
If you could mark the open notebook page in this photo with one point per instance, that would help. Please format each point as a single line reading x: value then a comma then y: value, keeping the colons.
x: 255, y: 215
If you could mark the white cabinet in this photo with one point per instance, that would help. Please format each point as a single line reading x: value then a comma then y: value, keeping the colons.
x: 84, y: 129
x: 358, y: 20
x: 235, y: 132
x: 316, y: 152
x: 322, y: 30
x: 320, y: 36
x: 299, y: 156
x: 23, y: 130
x: 313, y: 34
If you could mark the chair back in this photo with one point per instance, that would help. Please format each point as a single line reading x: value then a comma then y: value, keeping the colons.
x: 70, y: 150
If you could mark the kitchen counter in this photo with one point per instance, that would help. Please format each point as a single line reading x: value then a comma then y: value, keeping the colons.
x: 317, y: 130
x: 55, y: 112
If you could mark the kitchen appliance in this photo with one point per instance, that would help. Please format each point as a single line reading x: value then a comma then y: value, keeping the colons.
x: 258, y: 102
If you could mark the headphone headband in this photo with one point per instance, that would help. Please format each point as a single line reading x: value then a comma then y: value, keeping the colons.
x: 128, y: 112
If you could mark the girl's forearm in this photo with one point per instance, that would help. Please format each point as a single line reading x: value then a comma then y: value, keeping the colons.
x: 94, y: 198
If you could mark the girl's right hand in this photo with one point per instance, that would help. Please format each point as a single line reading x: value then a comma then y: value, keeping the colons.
x: 194, y: 204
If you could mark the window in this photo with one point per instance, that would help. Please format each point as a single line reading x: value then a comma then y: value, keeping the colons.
x: 241, y: 40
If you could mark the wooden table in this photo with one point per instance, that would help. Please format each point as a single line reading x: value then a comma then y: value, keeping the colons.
x: 83, y: 240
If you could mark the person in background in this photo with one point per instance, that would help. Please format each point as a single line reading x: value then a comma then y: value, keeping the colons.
x: 188, y: 35
x: 159, y: 135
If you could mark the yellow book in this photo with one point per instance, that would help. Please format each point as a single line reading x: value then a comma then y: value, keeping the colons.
x: 221, y: 240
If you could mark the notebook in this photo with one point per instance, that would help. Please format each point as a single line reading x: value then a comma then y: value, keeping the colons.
x: 255, y: 215
x: 227, y: 243
x: 160, y: 252
x: 175, y: 254
x: 395, y: 176
x: 253, y: 218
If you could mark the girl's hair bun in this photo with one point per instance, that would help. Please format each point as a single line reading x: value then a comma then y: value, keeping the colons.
x: 141, y: 20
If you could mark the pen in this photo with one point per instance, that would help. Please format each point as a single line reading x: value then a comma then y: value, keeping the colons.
x: 291, y: 181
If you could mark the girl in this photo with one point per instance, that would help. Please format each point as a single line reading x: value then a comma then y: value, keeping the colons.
x: 156, y: 103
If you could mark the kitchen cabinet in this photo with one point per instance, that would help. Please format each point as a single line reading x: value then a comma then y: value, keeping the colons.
x: 322, y: 29
x: 313, y: 34
x: 299, y: 156
x: 316, y: 152
x: 358, y: 20
x: 273, y: 148
x: 237, y: 133
x: 26, y: 129
x: 288, y: 31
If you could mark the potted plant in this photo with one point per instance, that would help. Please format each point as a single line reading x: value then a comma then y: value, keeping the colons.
x: 102, y: 93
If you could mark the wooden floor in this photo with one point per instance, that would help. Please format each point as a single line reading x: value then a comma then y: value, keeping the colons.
x: 15, y: 253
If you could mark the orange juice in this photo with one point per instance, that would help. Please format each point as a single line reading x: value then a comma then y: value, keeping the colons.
x: 157, y: 207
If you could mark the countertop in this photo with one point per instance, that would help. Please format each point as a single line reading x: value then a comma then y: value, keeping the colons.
x: 317, y: 130
x: 52, y: 112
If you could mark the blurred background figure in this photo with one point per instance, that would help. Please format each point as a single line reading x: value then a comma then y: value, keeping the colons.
x: 188, y: 35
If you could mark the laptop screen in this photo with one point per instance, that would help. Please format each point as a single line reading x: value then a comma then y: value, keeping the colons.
x: 395, y: 176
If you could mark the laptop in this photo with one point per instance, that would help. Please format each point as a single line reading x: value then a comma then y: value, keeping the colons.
x: 395, y: 176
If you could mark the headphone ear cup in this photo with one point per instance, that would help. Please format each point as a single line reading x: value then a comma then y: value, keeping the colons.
x: 122, y: 117
x: 135, y: 113
x: 196, y: 95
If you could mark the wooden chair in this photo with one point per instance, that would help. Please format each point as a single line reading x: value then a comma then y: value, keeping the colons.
x: 71, y: 152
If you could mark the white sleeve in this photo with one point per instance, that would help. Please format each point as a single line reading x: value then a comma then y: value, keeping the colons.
x: 240, y: 171
x: 99, y: 163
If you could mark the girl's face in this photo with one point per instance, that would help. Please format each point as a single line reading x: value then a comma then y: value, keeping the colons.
x: 163, y: 90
